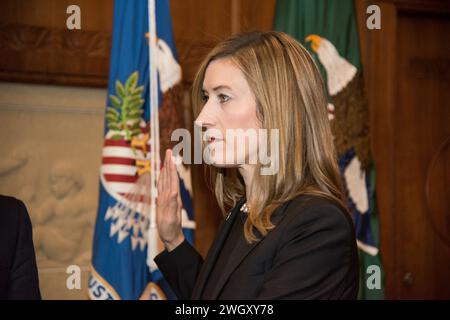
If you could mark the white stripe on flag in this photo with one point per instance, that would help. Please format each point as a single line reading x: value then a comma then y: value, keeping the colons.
x: 122, y: 152
x: 118, y: 169
x: 121, y: 187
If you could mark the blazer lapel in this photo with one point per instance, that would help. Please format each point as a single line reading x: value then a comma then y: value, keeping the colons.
x: 214, y: 251
x: 242, y: 250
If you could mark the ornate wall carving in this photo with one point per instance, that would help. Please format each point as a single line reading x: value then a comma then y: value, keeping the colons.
x: 51, y: 140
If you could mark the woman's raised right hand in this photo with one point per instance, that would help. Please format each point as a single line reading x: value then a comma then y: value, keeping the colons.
x: 168, y: 205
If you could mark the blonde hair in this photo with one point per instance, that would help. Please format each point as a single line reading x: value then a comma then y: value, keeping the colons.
x: 290, y: 96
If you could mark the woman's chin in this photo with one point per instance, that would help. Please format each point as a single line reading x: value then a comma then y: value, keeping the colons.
x: 219, y: 162
x: 224, y: 165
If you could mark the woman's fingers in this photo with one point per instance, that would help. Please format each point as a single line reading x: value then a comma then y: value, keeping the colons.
x: 166, y: 180
x: 161, y: 178
x: 168, y: 184
x: 180, y: 204
x: 159, y: 185
x: 162, y: 181
x: 174, y: 177
x: 169, y: 176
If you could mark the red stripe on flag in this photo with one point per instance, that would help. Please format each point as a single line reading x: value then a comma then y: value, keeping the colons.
x: 117, y: 160
x: 137, y: 198
x: 120, y: 178
x: 116, y: 143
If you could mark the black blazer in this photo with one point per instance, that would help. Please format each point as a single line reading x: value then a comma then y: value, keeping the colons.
x: 18, y: 271
x: 310, y: 254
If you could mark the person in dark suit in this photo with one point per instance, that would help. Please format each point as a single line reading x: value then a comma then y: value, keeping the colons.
x: 288, y: 234
x: 18, y: 272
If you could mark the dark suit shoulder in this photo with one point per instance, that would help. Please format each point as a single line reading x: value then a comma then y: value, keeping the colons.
x: 10, y: 207
x: 18, y: 271
x: 13, y: 215
x: 316, y: 255
x: 311, y: 209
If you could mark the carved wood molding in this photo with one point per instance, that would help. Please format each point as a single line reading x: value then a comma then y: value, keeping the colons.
x: 50, y: 55
x: 59, y: 56
x: 18, y: 37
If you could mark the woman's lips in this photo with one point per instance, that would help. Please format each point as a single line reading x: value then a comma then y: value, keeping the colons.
x: 213, y: 139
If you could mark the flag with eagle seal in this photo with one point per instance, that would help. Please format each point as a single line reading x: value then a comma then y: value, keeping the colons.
x: 143, y: 108
x: 327, y: 28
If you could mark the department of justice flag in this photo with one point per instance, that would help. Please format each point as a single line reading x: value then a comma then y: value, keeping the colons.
x: 142, y: 109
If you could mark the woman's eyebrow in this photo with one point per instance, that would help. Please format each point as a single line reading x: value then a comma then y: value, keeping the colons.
x: 218, y: 88
x: 221, y: 87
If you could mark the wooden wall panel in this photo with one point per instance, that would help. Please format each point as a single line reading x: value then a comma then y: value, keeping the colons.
x: 36, y: 46
x: 199, y: 24
x: 408, y: 80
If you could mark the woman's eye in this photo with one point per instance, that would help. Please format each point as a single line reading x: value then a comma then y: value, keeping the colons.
x: 204, y: 98
x: 223, y: 98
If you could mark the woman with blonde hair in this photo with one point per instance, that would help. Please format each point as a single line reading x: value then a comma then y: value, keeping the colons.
x: 288, y: 234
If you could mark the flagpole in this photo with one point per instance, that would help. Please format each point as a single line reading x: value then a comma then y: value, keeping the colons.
x: 154, y: 134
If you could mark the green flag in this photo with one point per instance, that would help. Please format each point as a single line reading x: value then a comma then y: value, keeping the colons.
x: 327, y: 28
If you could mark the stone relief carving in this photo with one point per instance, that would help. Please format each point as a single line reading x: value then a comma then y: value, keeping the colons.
x: 63, y: 222
x: 51, y: 138
x: 10, y: 163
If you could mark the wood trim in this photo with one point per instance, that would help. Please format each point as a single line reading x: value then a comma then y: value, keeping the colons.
x: 39, y: 54
x: 55, y: 79
x: 381, y: 67
x: 190, y: 54
x: 382, y: 97
x: 430, y: 6
x: 235, y: 16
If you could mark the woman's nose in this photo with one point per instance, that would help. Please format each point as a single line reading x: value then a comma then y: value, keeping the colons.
x: 204, y: 119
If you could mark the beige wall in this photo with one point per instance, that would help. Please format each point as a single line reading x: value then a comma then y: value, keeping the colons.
x: 50, y: 142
